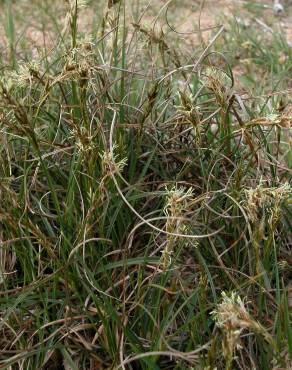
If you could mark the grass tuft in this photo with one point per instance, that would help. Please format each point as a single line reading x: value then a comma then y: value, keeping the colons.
x: 145, y: 218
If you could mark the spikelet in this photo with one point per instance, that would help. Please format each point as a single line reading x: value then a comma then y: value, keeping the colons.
x: 218, y: 82
x: 176, y: 203
x: 262, y: 199
x: 232, y: 317
x: 74, y: 7
x: 26, y: 74
x: 110, y: 162
x: 281, y: 120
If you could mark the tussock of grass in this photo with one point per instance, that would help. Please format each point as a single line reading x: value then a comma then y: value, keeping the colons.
x: 145, y: 217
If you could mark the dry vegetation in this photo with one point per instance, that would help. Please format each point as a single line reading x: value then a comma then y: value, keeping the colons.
x: 145, y: 197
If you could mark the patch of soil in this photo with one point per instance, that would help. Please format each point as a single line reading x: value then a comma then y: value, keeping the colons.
x: 184, y: 17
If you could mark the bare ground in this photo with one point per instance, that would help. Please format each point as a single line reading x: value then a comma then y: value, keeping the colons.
x: 185, y: 17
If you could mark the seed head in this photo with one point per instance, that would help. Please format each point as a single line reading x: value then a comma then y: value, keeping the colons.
x: 260, y: 199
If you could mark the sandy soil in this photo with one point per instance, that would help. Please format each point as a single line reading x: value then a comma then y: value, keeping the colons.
x: 183, y: 16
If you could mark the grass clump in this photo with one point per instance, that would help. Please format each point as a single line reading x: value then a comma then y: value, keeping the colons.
x: 141, y: 197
